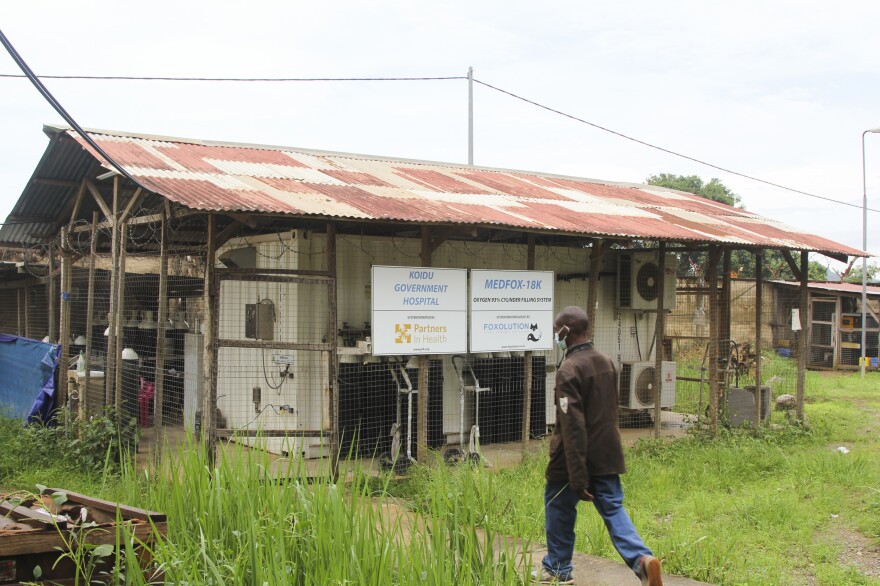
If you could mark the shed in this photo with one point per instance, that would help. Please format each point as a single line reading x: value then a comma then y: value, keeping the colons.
x: 834, y: 320
x: 264, y: 288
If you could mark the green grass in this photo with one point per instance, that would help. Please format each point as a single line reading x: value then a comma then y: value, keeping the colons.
x: 740, y: 508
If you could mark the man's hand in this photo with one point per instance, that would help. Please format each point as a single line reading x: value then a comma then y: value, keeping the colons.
x: 585, y: 495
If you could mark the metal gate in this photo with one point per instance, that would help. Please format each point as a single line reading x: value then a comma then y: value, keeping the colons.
x: 823, y: 331
x: 275, y: 360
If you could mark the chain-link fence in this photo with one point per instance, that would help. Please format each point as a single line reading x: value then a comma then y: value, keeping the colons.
x: 277, y: 339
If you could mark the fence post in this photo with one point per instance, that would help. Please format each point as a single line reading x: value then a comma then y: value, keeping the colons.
x: 332, y: 362
x: 659, y: 330
x: 759, y: 302
x: 64, y: 362
x: 424, y: 366
x: 803, y: 335
x: 120, y: 308
x: 209, y: 401
x: 714, y: 339
x: 527, y: 364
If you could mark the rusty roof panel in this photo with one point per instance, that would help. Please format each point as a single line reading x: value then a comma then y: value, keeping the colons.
x: 437, y: 180
x: 256, y: 178
x: 509, y: 184
x: 838, y: 287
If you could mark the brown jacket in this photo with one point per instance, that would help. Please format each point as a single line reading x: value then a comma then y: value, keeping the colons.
x: 585, y: 440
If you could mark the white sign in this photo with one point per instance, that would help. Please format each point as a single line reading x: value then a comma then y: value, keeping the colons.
x: 511, y: 310
x: 419, y: 310
x: 796, y: 319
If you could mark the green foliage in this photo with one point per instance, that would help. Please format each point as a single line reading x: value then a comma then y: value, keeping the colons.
x: 714, y: 189
x: 855, y: 273
x: 742, y: 262
x: 83, y: 453
x: 751, y: 507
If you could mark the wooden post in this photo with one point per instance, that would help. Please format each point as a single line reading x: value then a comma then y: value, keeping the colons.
x: 50, y: 297
x: 332, y: 361
x: 64, y: 362
x: 597, y: 251
x: 724, y: 302
x: 424, y: 365
x: 659, y: 329
x: 759, y: 302
x: 713, y: 314
x: 162, y: 320
x: 120, y: 308
x: 18, y: 313
x: 804, y: 334
x: 209, y: 398
x: 90, y: 320
x: 27, y: 312
x: 113, y: 322
x: 527, y: 364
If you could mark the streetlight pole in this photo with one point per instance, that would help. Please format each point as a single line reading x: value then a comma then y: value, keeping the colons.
x: 864, y: 359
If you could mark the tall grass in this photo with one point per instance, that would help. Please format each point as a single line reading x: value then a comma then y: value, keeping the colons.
x: 235, y: 524
x: 772, y: 507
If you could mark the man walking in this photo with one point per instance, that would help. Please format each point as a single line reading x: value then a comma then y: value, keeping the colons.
x: 586, y: 457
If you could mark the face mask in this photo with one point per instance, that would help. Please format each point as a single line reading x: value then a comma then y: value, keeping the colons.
x: 560, y: 338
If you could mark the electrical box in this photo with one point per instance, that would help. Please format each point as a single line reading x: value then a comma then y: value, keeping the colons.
x: 259, y: 320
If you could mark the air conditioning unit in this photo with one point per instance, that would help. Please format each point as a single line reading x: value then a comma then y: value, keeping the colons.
x: 638, y: 281
x: 636, y: 386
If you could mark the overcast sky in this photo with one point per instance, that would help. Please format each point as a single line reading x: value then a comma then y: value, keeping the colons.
x: 777, y: 90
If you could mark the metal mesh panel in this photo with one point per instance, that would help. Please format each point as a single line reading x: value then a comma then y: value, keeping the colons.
x: 286, y: 359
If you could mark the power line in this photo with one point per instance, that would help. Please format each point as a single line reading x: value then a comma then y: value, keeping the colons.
x: 665, y: 150
x: 59, y: 108
x: 434, y: 78
x: 231, y: 79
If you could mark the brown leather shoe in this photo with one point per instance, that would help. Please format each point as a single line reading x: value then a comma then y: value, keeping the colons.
x: 650, y: 571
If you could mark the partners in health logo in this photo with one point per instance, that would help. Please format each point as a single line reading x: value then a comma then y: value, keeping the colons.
x: 403, y: 333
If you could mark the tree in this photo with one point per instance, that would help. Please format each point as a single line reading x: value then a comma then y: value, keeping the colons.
x: 742, y: 262
x: 714, y: 190
x: 853, y: 272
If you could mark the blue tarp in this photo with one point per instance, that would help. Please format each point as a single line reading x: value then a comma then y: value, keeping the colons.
x: 27, y: 377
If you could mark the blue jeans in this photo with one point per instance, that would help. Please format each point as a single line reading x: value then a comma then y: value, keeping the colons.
x: 560, y: 506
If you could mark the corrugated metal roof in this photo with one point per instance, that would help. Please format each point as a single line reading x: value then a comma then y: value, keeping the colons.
x: 873, y: 290
x: 228, y: 177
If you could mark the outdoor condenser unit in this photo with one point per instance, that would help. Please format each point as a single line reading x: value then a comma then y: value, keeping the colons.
x: 638, y: 281
x: 636, y: 388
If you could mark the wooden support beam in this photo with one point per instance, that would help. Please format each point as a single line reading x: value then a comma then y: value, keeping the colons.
x: 248, y: 220
x: 159, y: 375
x: 724, y: 301
x: 80, y: 195
x: 120, y: 313
x: 795, y: 270
x: 209, y: 397
x: 332, y: 325
x: 714, y: 338
x: 759, y: 323
x: 424, y: 365
x: 52, y: 297
x: 229, y: 232
x: 131, y: 203
x: 55, y: 182
x: 64, y: 361
x: 597, y: 251
x: 528, y: 373
x: 113, y: 318
x: 84, y: 407
x: 804, y: 334
x: 99, y: 199
x: 659, y: 330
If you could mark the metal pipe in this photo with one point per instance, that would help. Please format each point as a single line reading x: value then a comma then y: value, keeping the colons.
x: 470, y: 115
x: 864, y: 352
